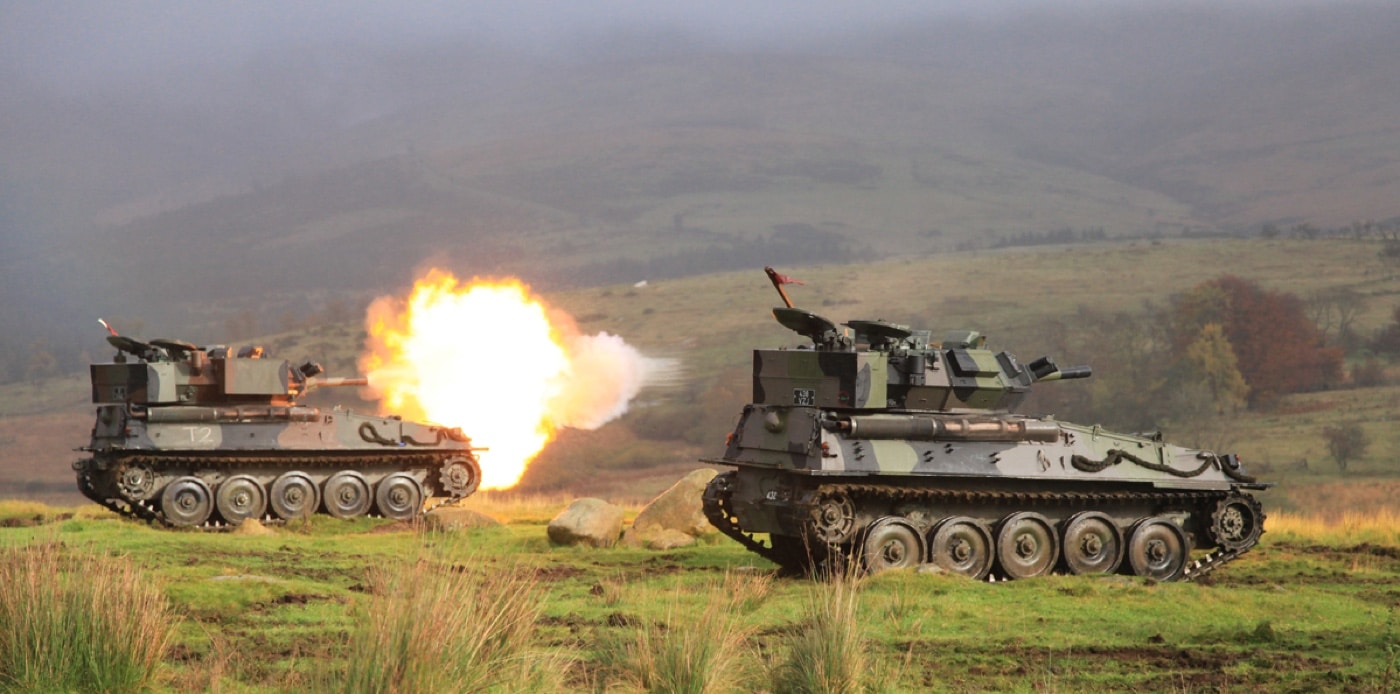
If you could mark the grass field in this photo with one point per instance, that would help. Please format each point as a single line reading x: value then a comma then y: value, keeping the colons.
x: 1315, y: 607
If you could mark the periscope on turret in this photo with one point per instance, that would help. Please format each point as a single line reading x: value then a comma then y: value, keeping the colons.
x: 877, y: 446
x: 208, y: 437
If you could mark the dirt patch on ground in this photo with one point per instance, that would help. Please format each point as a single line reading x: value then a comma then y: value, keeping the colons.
x: 395, y: 527
x: 558, y: 572
x: 1196, y: 664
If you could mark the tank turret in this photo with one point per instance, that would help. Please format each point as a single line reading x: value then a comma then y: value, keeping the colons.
x: 206, y: 436
x: 878, y: 365
x: 877, y: 445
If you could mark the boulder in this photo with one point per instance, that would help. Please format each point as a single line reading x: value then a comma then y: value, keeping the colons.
x: 667, y: 538
x: 591, y: 522
x: 676, y: 509
x: 450, y: 518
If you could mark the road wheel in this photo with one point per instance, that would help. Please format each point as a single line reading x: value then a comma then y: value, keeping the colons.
x: 961, y: 545
x: 891, y: 543
x: 240, y: 498
x: 294, y: 495
x: 1026, y: 545
x: 347, y: 494
x: 399, y: 496
x: 186, y: 502
x: 1092, y: 544
x: 1157, y: 549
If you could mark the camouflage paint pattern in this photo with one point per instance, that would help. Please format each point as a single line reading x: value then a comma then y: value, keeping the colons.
x: 875, y: 431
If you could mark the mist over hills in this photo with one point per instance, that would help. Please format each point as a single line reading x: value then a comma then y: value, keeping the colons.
x: 308, y: 170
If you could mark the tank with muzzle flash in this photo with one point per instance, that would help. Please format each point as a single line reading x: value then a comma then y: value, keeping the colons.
x: 210, y: 436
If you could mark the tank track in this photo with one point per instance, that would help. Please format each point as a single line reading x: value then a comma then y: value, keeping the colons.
x: 149, y: 511
x: 716, y: 504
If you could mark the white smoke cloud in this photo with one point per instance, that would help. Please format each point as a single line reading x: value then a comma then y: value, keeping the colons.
x: 606, y: 374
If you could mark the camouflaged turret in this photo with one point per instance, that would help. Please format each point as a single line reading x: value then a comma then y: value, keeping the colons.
x: 876, y: 444
x: 199, y: 436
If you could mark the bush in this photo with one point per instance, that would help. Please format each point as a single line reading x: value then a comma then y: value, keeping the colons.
x: 78, y: 623
x: 1346, y: 442
x: 1368, y: 374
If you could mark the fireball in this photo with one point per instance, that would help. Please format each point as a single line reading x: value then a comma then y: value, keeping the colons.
x: 486, y: 356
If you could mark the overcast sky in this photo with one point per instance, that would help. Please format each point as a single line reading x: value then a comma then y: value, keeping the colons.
x: 79, y: 44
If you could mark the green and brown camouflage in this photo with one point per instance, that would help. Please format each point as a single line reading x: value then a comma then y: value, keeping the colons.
x: 200, y: 436
x: 878, y: 444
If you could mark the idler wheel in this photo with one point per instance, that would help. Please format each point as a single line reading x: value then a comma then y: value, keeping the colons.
x: 1237, y: 522
x: 1157, y: 549
x: 833, y: 519
x: 1092, y: 544
x: 460, y: 476
x: 294, y: 495
x: 1026, y: 545
x: 891, y: 543
x: 240, y: 498
x: 186, y: 502
x: 137, y: 482
x: 399, y: 496
x: 961, y: 545
x: 347, y: 494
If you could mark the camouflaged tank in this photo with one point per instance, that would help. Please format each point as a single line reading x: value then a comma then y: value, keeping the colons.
x: 196, y: 436
x: 878, y: 445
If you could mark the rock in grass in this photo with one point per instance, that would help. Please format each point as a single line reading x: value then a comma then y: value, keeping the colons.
x: 591, y: 522
x: 676, y: 510
x: 449, y: 518
x: 667, y: 538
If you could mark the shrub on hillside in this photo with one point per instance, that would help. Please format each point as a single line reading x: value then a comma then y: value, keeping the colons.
x: 1387, y: 340
x: 1368, y: 374
x: 1346, y: 442
x: 1278, y: 348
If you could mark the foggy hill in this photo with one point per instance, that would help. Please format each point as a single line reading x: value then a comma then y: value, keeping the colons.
x: 279, y: 181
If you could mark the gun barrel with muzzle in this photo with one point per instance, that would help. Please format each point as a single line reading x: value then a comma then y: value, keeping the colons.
x: 338, y: 381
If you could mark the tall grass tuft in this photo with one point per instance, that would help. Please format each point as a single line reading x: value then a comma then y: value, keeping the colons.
x: 829, y: 652
x: 699, y: 655
x: 78, y: 622
x: 438, y: 627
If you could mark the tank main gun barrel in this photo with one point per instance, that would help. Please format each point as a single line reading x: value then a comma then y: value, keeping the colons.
x: 339, y: 381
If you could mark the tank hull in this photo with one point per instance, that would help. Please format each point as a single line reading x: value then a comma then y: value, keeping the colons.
x: 985, y: 495
x: 216, y: 466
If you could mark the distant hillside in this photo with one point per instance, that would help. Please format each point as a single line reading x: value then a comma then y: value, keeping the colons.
x: 1027, y: 301
x: 315, y: 176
